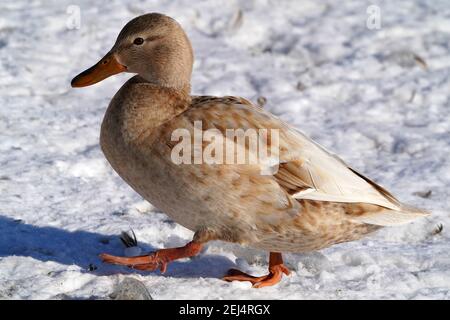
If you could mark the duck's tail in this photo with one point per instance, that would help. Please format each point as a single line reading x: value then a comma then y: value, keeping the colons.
x: 390, y: 217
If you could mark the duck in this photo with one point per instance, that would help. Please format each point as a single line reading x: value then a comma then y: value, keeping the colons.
x: 298, y: 198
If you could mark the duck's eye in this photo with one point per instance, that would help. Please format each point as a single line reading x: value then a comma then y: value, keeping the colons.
x: 138, y: 41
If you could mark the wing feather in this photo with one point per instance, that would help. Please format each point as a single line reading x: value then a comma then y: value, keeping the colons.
x: 307, y: 170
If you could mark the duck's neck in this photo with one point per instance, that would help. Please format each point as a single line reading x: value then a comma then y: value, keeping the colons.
x: 175, y: 83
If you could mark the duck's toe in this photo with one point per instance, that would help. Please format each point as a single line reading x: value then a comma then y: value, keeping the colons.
x: 238, y: 275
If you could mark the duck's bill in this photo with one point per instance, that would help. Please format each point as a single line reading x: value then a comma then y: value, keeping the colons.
x: 105, y: 68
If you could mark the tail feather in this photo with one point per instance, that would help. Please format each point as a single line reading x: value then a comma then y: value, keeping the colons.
x: 390, y: 217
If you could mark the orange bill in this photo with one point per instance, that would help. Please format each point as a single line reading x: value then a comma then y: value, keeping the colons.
x: 105, y: 68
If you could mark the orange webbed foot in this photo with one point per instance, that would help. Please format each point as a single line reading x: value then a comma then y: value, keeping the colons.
x: 158, y: 259
x: 276, y: 270
x: 149, y: 262
x: 238, y: 275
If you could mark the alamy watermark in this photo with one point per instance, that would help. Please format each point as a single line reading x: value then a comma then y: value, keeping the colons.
x: 73, y: 20
x: 234, y: 146
x: 373, y: 21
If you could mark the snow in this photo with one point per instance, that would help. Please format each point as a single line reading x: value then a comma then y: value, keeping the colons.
x: 361, y: 93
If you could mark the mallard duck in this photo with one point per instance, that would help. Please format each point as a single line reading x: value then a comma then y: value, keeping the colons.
x: 303, y: 198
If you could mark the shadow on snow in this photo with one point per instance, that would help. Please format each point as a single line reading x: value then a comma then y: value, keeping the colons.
x: 82, y: 248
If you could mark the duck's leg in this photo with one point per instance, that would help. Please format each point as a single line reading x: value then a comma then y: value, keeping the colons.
x: 158, y: 259
x: 276, y: 270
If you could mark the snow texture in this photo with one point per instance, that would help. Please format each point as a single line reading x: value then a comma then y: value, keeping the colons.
x: 363, y: 93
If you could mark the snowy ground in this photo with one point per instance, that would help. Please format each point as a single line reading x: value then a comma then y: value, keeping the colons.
x: 362, y: 93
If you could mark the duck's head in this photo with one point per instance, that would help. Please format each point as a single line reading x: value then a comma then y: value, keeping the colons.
x: 152, y: 45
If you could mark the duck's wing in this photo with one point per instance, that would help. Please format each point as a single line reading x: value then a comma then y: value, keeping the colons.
x: 305, y: 169
x: 317, y: 174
